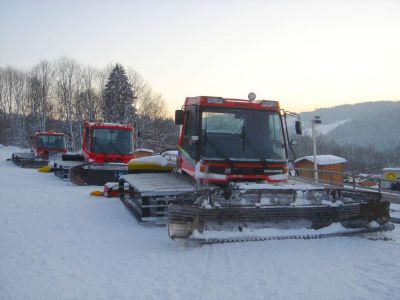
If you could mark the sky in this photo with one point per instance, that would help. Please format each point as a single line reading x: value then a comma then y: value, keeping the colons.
x: 305, y: 54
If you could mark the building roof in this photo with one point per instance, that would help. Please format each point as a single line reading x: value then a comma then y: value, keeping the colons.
x: 391, y: 169
x: 323, y: 160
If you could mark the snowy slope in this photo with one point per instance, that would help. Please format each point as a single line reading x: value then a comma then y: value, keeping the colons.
x: 326, y: 128
x: 57, y: 242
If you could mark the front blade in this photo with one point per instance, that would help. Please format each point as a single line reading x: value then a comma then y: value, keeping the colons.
x: 244, y: 211
x: 96, y: 174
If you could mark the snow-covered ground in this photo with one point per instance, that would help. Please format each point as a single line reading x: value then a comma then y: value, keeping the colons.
x: 57, y: 242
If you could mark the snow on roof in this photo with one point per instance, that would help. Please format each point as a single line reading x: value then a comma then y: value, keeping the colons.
x: 164, y: 159
x: 49, y: 133
x: 109, y: 124
x: 145, y: 150
x: 323, y: 159
x: 391, y: 169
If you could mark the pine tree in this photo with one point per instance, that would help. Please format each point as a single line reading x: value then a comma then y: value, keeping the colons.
x: 118, y: 97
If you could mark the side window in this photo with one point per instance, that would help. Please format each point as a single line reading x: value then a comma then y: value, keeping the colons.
x: 87, y: 133
x: 276, y: 136
x: 190, y: 145
x: 275, y: 127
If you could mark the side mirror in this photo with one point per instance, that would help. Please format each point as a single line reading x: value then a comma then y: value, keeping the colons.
x: 299, y: 129
x: 179, y: 116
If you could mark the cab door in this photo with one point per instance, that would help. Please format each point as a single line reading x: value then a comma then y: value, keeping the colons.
x: 190, y: 136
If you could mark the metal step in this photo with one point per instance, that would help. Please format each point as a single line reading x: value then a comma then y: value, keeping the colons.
x: 150, y: 194
x: 159, y: 184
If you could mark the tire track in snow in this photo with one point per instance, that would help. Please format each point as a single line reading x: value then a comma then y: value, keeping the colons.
x: 206, y: 272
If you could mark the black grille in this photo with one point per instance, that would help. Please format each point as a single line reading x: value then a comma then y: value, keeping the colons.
x: 243, y: 171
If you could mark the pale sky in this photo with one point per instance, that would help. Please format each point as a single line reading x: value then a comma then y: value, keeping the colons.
x: 305, y: 54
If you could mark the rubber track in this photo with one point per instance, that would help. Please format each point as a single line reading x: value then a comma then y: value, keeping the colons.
x: 388, y: 227
x: 132, y: 209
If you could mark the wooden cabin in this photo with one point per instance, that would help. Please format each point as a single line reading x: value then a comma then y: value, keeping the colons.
x: 324, y: 163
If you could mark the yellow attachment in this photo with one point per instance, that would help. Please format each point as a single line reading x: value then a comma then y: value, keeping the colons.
x: 147, y: 166
x: 96, y: 193
x: 45, y: 169
x: 391, y: 176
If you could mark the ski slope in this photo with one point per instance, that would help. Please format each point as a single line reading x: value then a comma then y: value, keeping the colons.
x: 57, y: 242
x: 326, y: 128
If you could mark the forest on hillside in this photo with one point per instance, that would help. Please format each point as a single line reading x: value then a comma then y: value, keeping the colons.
x: 371, y: 124
x: 369, y: 138
x: 60, y: 95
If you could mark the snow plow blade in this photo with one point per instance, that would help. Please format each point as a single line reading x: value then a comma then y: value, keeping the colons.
x: 34, y: 164
x: 28, y: 160
x: 288, y: 214
x: 96, y: 174
x: 45, y: 169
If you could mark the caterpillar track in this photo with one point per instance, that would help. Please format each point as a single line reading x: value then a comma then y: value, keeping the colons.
x: 243, y: 212
x: 387, y: 227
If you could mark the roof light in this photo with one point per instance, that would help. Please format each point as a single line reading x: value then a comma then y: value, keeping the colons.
x: 215, y: 100
x: 268, y: 103
x: 252, y: 96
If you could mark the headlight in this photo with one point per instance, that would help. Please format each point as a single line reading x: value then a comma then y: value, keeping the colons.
x: 215, y: 100
x: 268, y: 103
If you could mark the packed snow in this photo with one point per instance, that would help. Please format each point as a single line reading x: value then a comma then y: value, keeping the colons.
x: 58, y: 242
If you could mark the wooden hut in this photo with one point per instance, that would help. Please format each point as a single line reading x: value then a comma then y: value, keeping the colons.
x: 328, y: 163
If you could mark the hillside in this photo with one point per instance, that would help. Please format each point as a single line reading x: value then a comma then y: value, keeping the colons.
x: 371, y: 124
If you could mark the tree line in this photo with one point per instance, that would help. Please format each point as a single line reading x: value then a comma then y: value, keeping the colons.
x: 60, y: 95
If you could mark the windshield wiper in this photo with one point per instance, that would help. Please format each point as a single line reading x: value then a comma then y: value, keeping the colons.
x: 244, y: 140
x: 219, y: 151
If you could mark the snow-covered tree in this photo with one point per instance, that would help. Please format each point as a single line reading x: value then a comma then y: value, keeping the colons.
x: 118, y: 97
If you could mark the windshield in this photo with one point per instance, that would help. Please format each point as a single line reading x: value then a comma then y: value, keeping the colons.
x: 242, y: 135
x: 50, y: 141
x: 112, y: 141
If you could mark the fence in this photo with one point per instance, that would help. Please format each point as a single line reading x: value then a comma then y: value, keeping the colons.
x: 350, y: 179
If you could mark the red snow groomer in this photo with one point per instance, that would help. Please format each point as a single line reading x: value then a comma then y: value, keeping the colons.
x: 45, y: 145
x: 106, y: 150
x: 232, y: 182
